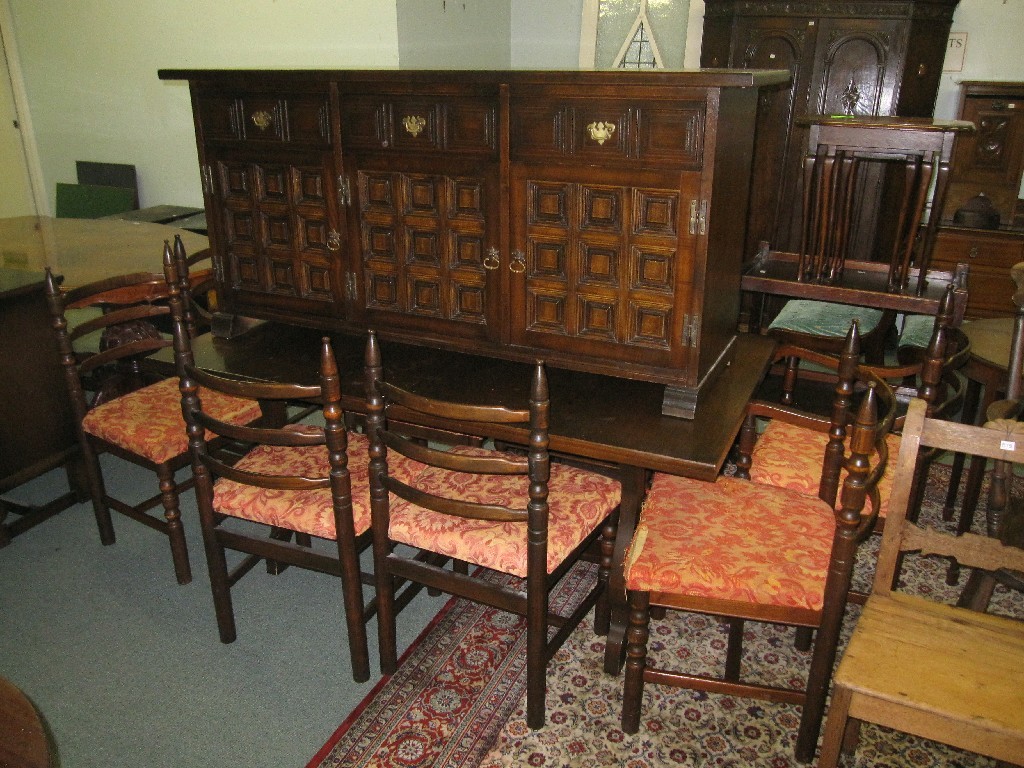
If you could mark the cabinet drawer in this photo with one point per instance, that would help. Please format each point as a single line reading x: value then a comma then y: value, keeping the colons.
x: 407, y: 123
x: 989, y: 249
x: 608, y: 130
x: 265, y: 118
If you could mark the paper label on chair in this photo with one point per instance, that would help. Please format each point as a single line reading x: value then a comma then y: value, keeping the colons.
x: 1007, y: 445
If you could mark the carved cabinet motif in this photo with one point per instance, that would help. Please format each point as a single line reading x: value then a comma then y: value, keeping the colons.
x: 588, y: 218
x: 857, y: 57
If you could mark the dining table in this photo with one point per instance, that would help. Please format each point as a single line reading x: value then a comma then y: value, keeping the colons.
x: 612, y: 422
x: 36, y: 426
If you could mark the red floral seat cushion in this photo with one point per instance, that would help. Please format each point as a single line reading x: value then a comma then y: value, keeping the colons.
x: 577, y: 501
x: 309, y: 511
x: 732, y: 540
x: 789, y: 456
x: 148, y: 421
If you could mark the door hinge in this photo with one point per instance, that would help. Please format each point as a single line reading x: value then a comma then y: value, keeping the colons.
x: 691, y: 330
x: 207, y: 176
x: 344, y: 190
x: 350, y: 286
x: 698, y: 217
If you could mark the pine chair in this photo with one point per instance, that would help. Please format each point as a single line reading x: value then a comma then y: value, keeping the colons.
x: 747, y: 551
x: 940, y: 672
x: 117, y: 409
x: 521, y: 515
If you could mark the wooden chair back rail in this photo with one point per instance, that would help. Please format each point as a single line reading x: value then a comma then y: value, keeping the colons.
x: 258, y: 390
x: 130, y: 351
x: 468, y: 510
x: 118, y: 316
x: 459, y: 411
x: 491, y: 465
x: 93, y: 292
x: 276, y: 482
x: 255, y: 434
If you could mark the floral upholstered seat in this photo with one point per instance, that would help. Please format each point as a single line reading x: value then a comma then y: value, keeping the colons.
x: 148, y: 421
x: 309, y: 511
x: 789, y: 456
x: 577, y: 501
x: 703, y: 542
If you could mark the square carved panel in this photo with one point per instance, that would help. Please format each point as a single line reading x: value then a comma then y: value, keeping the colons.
x: 599, y: 263
x: 377, y: 192
x: 235, y: 180
x: 466, y: 199
x: 653, y: 268
x: 277, y: 231
x: 311, y: 189
x: 467, y: 250
x: 650, y: 325
x: 282, y: 276
x: 602, y: 208
x: 548, y: 203
x: 273, y: 183
x: 379, y: 243
x: 424, y: 296
x: 314, y: 234
x: 240, y: 226
x: 421, y: 195
x: 247, y: 271
x: 422, y: 247
x: 382, y: 291
x: 655, y: 213
x: 317, y: 281
x: 468, y: 302
x: 596, y: 318
x: 548, y: 259
x: 547, y: 312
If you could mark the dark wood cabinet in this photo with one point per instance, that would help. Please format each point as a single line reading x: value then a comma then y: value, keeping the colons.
x: 856, y: 57
x: 588, y: 218
x: 989, y: 255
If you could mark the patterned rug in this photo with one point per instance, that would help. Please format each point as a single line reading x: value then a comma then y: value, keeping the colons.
x: 458, y: 698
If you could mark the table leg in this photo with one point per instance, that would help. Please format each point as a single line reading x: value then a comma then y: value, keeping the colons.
x: 634, y: 486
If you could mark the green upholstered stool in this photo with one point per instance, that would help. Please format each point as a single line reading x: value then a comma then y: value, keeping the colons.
x: 823, y: 318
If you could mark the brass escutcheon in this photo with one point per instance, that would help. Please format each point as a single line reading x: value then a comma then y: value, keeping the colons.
x: 262, y: 119
x: 414, y: 124
x: 601, y: 132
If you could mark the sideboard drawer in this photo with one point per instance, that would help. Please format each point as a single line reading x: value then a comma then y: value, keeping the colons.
x: 989, y: 254
x: 409, y: 123
x: 266, y: 118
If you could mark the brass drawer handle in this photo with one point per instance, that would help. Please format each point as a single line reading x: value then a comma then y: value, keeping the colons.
x: 333, y: 240
x: 414, y: 124
x: 601, y: 132
x: 518, y: 263
x: 492, y: 260
x: 262, y: 119
x: 973, y: 252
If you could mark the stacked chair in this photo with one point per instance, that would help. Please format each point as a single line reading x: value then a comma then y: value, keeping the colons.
x: 117, y: 408
x: 749, y: 551
x: 521, y: 515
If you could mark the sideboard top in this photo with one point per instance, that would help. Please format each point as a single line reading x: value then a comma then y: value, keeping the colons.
x: 701, y: 78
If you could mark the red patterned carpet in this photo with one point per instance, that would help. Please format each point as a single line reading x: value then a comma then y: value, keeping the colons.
x: 458, y: 698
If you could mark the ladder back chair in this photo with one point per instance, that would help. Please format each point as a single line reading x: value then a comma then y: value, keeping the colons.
x: 940, y: 672
x: 117, y: 410
x: 521, y: 515
x: 745, y: 551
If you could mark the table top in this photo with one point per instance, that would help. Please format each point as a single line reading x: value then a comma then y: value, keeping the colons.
x: 83, y: 250
x: 990, y: 340
x: 605, y: 418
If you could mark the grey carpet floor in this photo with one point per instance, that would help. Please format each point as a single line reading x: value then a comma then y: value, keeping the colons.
x: 127, y: 668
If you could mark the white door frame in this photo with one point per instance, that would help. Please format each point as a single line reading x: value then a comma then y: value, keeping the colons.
x: 28, y: 137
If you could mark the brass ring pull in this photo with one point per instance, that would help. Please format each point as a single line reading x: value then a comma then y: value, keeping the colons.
x: 518, y: 263
x: 600, y: 131
x: 492, y: 260
x: 414, y: 124
x: 262, y: 119
x: 333, y: 241
x: 973, y: 254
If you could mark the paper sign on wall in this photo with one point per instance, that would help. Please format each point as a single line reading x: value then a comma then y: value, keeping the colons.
x: 956, y: 48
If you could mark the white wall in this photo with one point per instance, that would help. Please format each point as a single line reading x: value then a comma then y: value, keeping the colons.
x: 90, y: 72
x: 454, y: 34
x: 90, y: 67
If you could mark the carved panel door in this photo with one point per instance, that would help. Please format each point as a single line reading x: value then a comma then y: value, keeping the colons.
x: 604, y: 265
x: 276, y: 224
x: 423, y: 175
